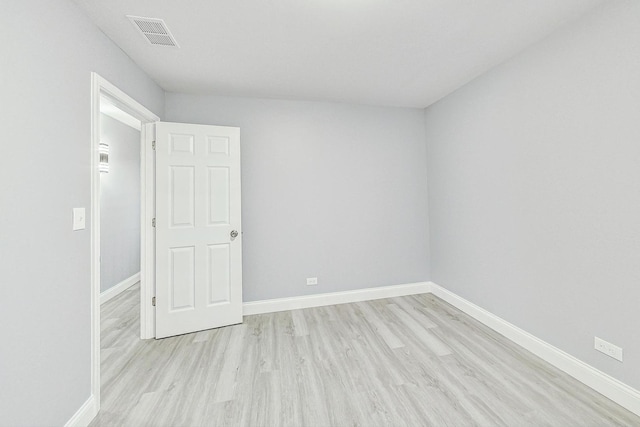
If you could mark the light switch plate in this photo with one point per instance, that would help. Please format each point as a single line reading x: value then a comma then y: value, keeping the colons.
x: 78, y: 219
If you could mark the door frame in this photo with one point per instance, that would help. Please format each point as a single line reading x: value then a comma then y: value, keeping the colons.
x: 100, y: 87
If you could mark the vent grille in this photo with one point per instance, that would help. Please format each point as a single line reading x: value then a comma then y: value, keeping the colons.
x: 154, y: 30
x: 151, y: 27
x: 160, y: 39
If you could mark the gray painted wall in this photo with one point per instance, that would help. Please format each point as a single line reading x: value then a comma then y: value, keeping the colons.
x: 50, y: 50
x: 533, y: 186
x: 534, y: 189
x: 332, y: 191
x: 119, y: 204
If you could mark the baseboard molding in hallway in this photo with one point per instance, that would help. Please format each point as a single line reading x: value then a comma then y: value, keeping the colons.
x: 119, y: 288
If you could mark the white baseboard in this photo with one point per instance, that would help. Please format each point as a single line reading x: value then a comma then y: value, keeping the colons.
x: 119, y: 288
x: 604, y: 384
x: 319, y: 300
x: 85, y: 414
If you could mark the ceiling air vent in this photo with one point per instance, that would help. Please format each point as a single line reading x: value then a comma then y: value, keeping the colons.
x: 154, y: 30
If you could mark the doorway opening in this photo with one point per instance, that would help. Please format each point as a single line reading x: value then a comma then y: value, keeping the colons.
x: 120, y: 242
x: 115, y: 111
x: 119, y: 201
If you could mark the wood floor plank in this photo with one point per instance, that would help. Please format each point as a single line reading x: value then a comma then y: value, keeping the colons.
x: 299, y: 322
x: 380, y: 327
x: 403, y: 361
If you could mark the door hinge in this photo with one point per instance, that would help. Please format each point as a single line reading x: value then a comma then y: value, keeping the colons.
x: 153, y: 222
x: 153, y: 145
x: 153, y: 301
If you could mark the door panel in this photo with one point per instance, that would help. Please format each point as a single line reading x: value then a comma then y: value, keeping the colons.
x: 182, y: 191
x: 182, y: 278
x: 198, y: 263
x: 218, y: 196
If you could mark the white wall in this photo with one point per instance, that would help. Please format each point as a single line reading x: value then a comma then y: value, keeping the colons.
x: 48, y: 52
x: 534, y: 189
x: 119, y: 204
x: 332, y: 191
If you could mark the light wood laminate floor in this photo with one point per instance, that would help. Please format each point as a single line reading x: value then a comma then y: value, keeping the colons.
x: 401, y: 361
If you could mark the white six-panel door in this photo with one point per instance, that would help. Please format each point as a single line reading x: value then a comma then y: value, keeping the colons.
x: 198, y: 229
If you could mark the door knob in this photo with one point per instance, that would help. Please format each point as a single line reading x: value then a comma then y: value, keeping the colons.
x: 234, y: 234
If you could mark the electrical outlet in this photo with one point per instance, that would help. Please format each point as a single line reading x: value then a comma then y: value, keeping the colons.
x: 312, y: 281
x: 608, y: 348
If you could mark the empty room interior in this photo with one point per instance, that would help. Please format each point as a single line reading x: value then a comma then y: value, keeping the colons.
x: 320, y: 213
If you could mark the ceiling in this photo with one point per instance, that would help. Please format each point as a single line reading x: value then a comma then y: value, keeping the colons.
x: 407, y: 53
